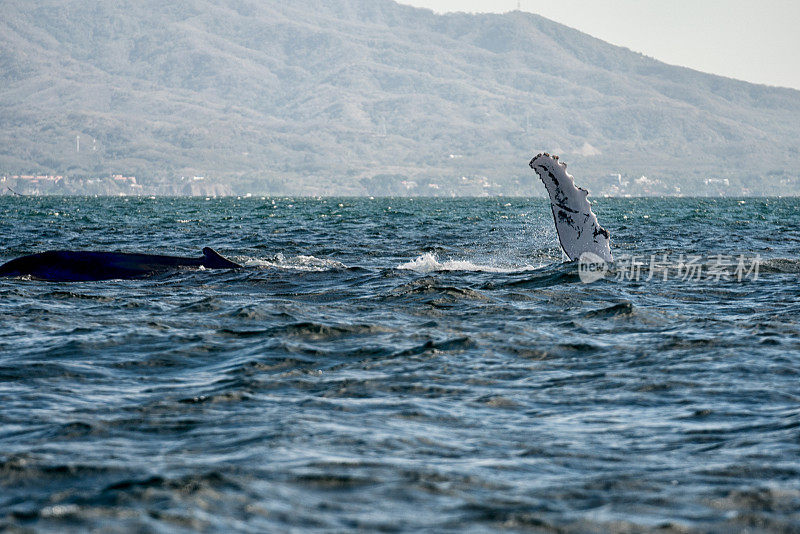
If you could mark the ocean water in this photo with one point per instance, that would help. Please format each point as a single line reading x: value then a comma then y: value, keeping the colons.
x: 402, y: 365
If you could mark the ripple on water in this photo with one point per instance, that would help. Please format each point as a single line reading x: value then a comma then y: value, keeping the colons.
x: 433, y: 367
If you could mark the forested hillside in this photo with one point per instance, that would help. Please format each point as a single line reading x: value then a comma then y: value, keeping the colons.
x: 368, y: 97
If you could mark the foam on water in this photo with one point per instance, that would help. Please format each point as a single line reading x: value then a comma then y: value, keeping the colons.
x: 429, y: 263
x: 296, y: 263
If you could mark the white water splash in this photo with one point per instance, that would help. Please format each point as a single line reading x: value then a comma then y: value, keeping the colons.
x: 428, y: 263
x: 296, y: 263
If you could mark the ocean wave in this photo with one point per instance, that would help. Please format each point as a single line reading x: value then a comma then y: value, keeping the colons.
x: 780, y: 265
x: 364, y: 397
x: 428, y: 263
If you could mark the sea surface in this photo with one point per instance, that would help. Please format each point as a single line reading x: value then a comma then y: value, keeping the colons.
x: 403, y: 365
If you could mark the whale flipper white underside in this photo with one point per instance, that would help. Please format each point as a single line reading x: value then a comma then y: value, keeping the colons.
x: 576, y: 224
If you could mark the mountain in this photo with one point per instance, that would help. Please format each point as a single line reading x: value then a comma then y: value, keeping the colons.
x: 369, y: 97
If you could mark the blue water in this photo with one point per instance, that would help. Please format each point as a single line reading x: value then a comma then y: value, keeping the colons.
x: 400, y: 365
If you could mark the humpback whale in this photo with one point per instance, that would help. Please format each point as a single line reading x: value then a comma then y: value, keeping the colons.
x: 85, y: 266
x: 577, y: 227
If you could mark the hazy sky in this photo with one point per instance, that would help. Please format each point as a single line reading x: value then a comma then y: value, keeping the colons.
x: 753, y: 40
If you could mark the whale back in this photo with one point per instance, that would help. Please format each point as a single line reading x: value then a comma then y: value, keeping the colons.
x: 81, y: 266
x: 576, y: 224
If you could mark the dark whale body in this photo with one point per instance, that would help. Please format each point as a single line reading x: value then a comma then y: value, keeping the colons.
x: 85, y: 266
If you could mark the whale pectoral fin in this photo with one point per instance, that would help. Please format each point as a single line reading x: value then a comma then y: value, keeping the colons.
x: 576, y: 224
x: 212, y: 260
